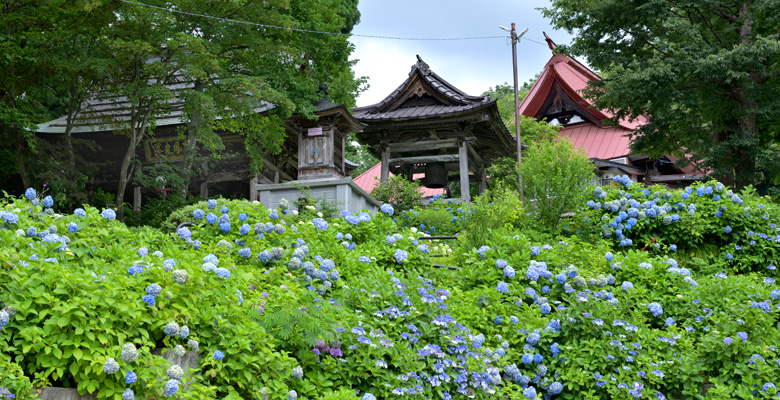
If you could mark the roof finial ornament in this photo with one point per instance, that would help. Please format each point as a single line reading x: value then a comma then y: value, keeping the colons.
x: 549, y: 41
x: 323, y: 90
x: 421, y: 65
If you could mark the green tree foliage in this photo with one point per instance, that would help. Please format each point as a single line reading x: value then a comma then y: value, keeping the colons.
x: 705, y: 72
x: 59, y: 52
x: 398, y: 191
x: 555, y: 176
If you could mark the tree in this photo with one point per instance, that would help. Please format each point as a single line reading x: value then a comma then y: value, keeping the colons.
x: 230, y: 70
x: 705, y: 73
x: 48, y: 48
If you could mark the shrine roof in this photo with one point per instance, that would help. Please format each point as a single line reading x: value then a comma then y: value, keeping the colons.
x: 573, y: 77
x: 423, y: 94
x: 109, y: 112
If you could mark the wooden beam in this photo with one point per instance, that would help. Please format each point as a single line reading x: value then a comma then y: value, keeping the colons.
x: 464, y: 171
x: 426, y: 145
x: 482, y: 179
x: 424, y: 159
x: 385, y: 173
x: 276, y: 169
x: 254, y: 195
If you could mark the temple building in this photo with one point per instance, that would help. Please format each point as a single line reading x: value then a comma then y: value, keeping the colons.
x: 557, y: 97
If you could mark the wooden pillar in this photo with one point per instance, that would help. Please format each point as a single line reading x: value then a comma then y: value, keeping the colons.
x: 204, y: 186
x: 463, y: 162
x: 385, y: 162
x: 482, y: 179
x: 253, y: 194
x: 136, y: 198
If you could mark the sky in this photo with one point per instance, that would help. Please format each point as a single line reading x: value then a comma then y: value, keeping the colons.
x: 471, y: 65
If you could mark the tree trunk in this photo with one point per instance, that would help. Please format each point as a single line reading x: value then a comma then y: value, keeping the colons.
x: 191, y: 144
x: 137, y: 131
x: 20, y: 161
x: 744, y: 156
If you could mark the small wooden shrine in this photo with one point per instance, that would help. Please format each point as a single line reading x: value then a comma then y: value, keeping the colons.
x: 428, y: 125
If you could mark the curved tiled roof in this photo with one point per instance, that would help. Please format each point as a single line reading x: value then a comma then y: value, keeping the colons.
x: 421, y: 74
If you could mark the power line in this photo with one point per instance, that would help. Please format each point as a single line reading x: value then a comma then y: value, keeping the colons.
x: 173, y: 10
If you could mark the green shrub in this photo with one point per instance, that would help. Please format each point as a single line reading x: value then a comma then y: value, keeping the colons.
x: 555, y: 177
x: 436, y: 220
x: 156, y: 210
x: 398, y: 191
x: 494, y: 209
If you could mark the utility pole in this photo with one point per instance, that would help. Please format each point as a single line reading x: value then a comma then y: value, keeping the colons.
x: 515, y: 38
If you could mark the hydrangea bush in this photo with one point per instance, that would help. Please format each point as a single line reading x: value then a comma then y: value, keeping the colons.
x: 283, y: 306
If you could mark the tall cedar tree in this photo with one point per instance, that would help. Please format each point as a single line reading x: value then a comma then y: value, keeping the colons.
x: 705, y: 72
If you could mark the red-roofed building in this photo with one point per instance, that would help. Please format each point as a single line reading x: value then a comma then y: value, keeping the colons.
x: 557, y: 96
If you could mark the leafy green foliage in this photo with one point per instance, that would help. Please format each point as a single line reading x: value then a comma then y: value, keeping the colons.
x: 398, y: 191
x: 494, y: 209
x: 555, y: 177
x: 582, y: 305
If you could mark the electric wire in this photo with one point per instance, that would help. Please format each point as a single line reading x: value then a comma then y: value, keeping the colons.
x: 173, y: 10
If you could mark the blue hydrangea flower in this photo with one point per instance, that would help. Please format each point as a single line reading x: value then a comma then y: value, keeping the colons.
x: 320, y: 224
x: 48, y: 201
x: 423, y: 248
x: 627, y: 285
x: 108, y: 214
x: 223, y: 272
x: 390, y: 239
x: 502, y: 287
x: 727, y: 229
x: 198, y: 214
x: 131, y: 377
x: 743, y: 336
x: 211, y: 218
x: 246, y: 252
x: 509, y: 272
x: 244, y: 230
x: 211, y: 204
x: 369, y: 396
x: 154, y: 289
x: 364, y: 259
x: 72, y: 227
x: 400, y: 256
x: 387, y: 209
x: 529, y: 392
x: 30, y: 194
x: 110, y: 366
x: 673, y: 247
x: 265, y: 256
x: 655, y: 309
x: 149, y: 299
x: 128, y: 394
x: 219, y: 355
x: 79, y: 212
x: 171, y: 329
x: 171, y: 387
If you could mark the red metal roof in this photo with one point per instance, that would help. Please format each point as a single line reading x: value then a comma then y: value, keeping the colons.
x: 605, y: 143
x: 573, y: 77
x: 368, y: 179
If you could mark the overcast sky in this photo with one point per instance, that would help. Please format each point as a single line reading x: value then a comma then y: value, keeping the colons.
x: 471, y: 65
